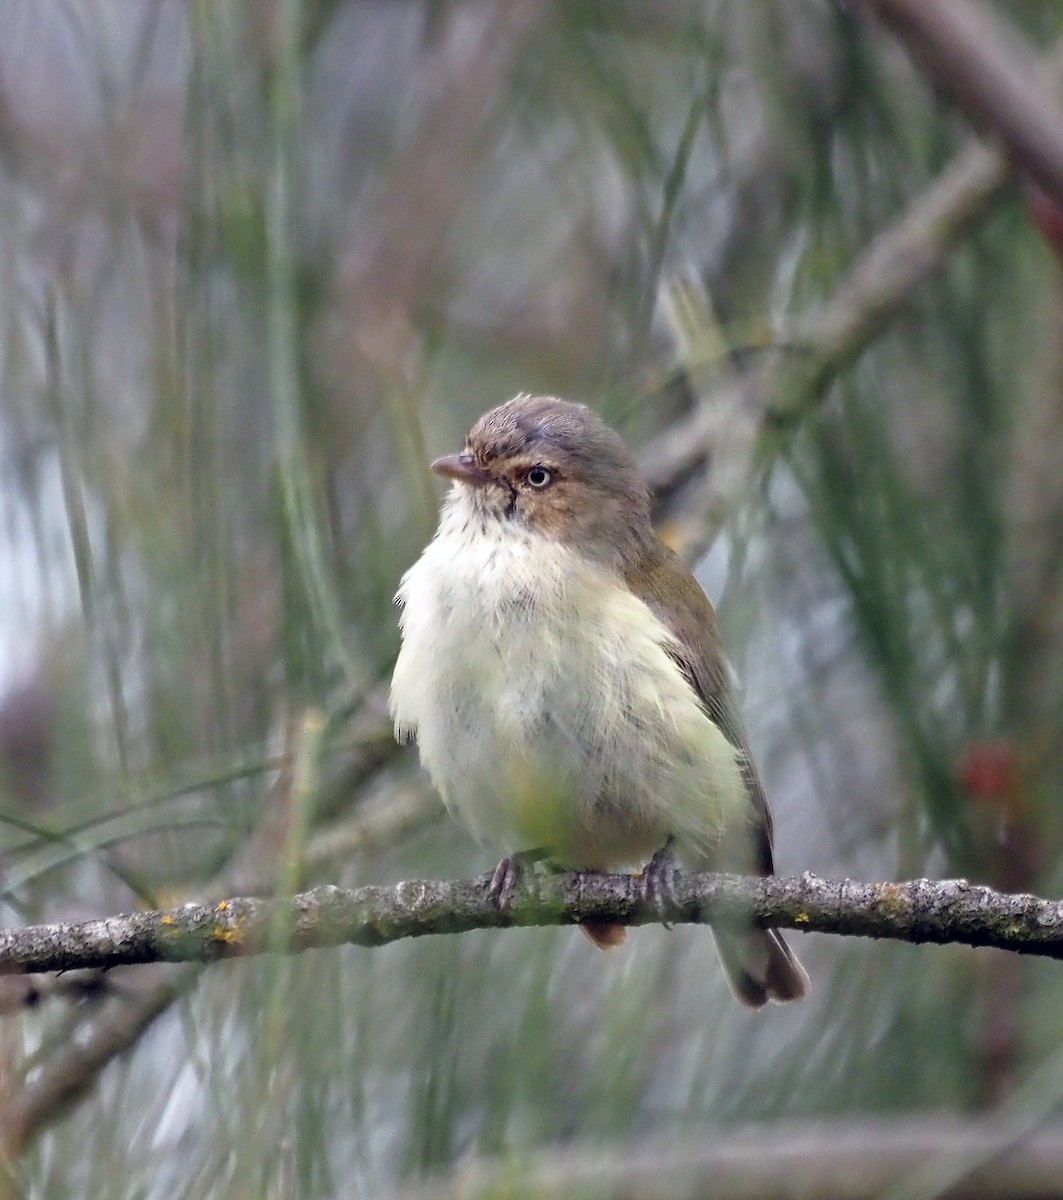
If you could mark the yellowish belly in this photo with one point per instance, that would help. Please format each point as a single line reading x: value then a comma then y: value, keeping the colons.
x: 550, y: 714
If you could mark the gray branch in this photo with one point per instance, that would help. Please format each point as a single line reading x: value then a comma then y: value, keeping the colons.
x: 920, y: 911
x: 977, y: 1159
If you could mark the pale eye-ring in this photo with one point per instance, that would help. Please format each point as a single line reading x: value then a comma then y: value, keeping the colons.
x: 538, y: 477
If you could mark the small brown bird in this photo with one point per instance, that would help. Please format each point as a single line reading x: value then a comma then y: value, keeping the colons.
x: 562, y: 672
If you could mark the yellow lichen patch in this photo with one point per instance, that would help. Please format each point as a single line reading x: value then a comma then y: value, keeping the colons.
x: 801, y: 918
x: 892, y: 896
x: 231, y: 937
x: 223, y: 906
x: 166, y: 919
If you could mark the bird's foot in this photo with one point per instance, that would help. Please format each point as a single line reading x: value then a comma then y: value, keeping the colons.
x: 507, y: 876
x: 656, y: 883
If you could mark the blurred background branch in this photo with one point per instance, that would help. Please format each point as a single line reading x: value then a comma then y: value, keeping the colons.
x: 837, y: 1160
x: 991, y: 72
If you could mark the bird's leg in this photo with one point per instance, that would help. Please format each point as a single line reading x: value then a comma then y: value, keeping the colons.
x: 507, y: 875
x: 657, y: 880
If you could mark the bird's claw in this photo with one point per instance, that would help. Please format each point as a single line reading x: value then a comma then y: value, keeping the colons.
x: 504, y: 880
x: 656, y: 884
x: 507, y: 875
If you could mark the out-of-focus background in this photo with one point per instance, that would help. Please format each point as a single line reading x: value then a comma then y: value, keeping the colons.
x: 260, y: 262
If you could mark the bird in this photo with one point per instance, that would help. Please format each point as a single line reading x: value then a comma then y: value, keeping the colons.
x: 563, y: 675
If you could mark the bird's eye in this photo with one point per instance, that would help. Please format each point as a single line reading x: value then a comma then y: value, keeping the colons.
x: 538, y: 477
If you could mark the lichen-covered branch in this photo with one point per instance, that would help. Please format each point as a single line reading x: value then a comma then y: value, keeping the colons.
x: 919, y: 911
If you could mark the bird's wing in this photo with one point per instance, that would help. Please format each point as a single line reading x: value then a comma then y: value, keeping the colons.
x: 669, y: 589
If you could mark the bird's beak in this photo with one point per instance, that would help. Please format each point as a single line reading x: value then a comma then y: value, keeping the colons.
x: 462, y: 467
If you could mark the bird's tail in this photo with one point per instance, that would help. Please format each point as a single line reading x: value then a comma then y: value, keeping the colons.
x: 760, y: 966
x: 604, y: 934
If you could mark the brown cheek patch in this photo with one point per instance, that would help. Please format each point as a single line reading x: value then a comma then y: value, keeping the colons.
x: 550, y: 511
